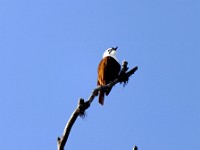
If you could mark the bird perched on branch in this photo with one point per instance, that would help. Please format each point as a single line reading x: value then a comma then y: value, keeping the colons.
x: 108, y: 70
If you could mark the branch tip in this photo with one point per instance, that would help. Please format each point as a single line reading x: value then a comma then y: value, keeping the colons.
x: 58, y: 139
x: 135, y: 148
x: 81, y: 101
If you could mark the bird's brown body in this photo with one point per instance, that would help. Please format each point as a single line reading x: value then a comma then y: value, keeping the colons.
x: 108, y: 70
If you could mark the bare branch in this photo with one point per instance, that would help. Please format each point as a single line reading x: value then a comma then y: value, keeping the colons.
x: 78, y: 112
x: 82, y: 106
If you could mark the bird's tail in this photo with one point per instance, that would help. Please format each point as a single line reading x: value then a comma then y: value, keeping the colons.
x: 101, y: 97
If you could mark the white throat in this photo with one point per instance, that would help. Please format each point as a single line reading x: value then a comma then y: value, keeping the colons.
x: 107, y: 54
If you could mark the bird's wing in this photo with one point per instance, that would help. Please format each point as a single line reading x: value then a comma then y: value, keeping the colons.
x: 102, y: 68
x: 106, y: 71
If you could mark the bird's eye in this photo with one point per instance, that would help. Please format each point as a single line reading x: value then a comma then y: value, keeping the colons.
x: 109, y: 51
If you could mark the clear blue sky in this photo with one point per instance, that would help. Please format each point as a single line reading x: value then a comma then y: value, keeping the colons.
x: 49, y: 53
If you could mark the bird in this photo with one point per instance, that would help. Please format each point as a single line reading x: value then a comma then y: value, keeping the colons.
x: 108, y: 70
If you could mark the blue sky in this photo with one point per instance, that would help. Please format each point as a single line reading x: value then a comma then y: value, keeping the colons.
x: 49, y: 53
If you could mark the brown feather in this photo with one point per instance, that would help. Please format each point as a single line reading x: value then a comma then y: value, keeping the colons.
x: 108, y: 70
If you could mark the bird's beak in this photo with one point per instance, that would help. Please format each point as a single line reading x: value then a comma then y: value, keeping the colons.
x: 115, y: 48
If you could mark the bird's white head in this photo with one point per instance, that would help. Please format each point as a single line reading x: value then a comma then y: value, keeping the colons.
x: 111, y: 52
